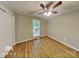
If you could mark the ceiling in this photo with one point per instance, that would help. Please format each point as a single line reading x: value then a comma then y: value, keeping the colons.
x: 29, y: 7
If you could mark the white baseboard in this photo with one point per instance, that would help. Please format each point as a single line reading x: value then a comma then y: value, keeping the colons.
x: 32, y: 38
x: 51, y: 38
x: 63, y: 43
x: 24, y: 41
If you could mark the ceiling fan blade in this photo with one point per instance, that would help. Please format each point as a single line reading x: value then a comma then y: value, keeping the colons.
x: 59, y: 3
x: 42, y: 5
x: 49, y: 4
x: 55, y: 12
x: 41, y: 12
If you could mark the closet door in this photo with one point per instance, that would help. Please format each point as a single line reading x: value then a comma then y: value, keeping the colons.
x: 2, y: 33
x: 7, y: 32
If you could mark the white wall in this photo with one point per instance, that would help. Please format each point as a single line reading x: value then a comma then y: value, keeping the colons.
x: 24, y: 27
x: 65, y: 28
x: 7, y: 31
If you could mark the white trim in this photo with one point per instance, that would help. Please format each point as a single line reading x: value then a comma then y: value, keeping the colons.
x: 64, y: 43
x: 51, y: 38
x: 32, y: 38
x: 24, y: 41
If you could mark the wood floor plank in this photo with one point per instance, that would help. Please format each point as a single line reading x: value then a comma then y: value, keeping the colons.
x: 44, y: 47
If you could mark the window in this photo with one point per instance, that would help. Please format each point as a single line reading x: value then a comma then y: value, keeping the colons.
x: 36, y: 27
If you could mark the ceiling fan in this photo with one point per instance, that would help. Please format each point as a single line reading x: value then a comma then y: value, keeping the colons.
x: 49, y: 8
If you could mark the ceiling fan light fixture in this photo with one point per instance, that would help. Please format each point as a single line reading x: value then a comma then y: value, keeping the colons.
x: 45, y: 13
x: 48, y: 13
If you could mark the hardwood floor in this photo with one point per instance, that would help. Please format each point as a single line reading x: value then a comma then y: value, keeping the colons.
x: 44, y: 47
